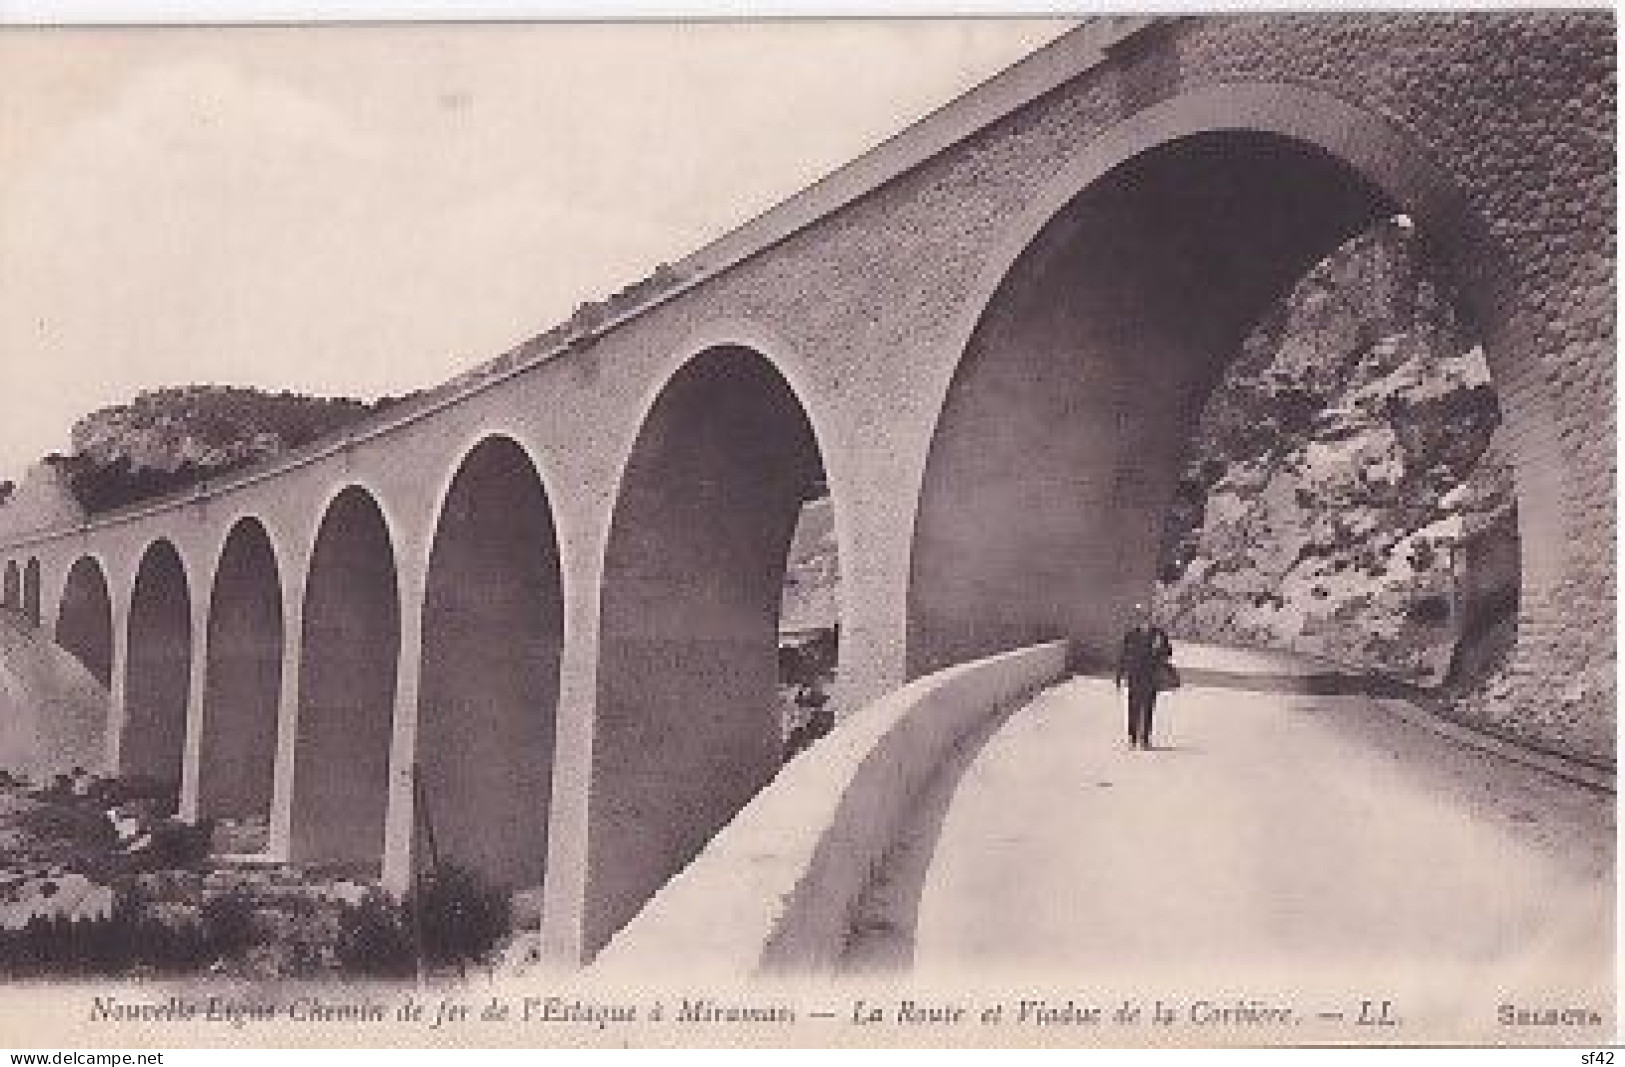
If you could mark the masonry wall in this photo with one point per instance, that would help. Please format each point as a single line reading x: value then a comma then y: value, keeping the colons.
x: 1518, y: 109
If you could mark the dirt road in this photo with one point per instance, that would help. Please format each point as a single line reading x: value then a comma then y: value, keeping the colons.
x: 1273, y: 845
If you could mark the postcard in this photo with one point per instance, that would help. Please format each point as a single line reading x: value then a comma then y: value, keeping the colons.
x: 809, y: 533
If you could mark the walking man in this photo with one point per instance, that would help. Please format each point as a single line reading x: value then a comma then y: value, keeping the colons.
x: 1145, y: 662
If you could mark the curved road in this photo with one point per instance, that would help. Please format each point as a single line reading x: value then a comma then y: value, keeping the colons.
x: 1273, y: 845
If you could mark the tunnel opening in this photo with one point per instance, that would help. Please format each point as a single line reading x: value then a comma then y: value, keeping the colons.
x: 493, y: 633
x: 687, y: 729
x: 242, y: 686
x: 350, y: 632
x: 1066, y: 433
x: 31, y: 593
x: 152, y: 743
x: 13, y: 597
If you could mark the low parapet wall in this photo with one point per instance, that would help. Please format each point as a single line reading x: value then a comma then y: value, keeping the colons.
x: 774, y: 890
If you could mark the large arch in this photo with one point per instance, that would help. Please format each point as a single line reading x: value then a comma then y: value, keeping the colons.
x: 31, y: 592
x: 686, y: 729
x: 84, y: 620
x: 13, y: 595
x: 84, y: 626
x: 1068, y: 416
x: 242, y: 678
x: 350, y: 632
x: 493, y: 632
x: 83, y: 629
x: 159, y: 667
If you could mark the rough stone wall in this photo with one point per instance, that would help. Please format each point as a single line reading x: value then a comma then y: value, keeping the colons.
x: 1518, y: 108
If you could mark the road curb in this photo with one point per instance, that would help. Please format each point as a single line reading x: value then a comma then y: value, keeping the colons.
x: 1549, y: 763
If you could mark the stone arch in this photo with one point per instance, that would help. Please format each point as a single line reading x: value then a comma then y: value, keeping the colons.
x: 13, y: 596
x: 158, y: 669
x: 31, y: 592
x: 493, y: 634
x: 242, y: 679
x: 84, y: 619
x: 1103, y: 323
x: 686, y: 730
x: 350, y: 633
x: 84, y: 629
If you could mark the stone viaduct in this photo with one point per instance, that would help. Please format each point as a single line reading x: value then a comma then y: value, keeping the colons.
x: 554, y: 590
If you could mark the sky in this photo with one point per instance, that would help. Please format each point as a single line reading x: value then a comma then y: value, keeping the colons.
x: 359, y: 210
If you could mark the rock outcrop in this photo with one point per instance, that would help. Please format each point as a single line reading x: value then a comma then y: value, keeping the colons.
x: 1346, y: 477
x: 168, y: 439
x: 42, y: 500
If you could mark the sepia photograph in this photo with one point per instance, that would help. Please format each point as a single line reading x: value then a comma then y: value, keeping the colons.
x: 999, y: 532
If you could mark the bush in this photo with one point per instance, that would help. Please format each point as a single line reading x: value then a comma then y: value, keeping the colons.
x: 73, y: 823
x: 461, y: 919
x: 179, y: 844
x: 375, y: 938
x: 129, y: 939
x: 1429, y: 611
x: 453, y: 919
x: 161, y: 795
x: 228, y: 922
x: 1424, y: 555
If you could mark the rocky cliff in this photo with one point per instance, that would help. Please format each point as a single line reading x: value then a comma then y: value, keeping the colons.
x: 812, y: 573
x: 167, y: 439
x: 1346, y: 476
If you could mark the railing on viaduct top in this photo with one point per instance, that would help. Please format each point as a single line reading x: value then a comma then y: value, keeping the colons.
x: 775, y: 889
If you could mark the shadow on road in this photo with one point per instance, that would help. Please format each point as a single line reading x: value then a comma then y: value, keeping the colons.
x: 1320, y: 683
x: 1433, y: 701
x: 1178, y: 750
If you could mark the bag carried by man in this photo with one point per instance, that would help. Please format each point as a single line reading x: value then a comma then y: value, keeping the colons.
x: 1167, y: 676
